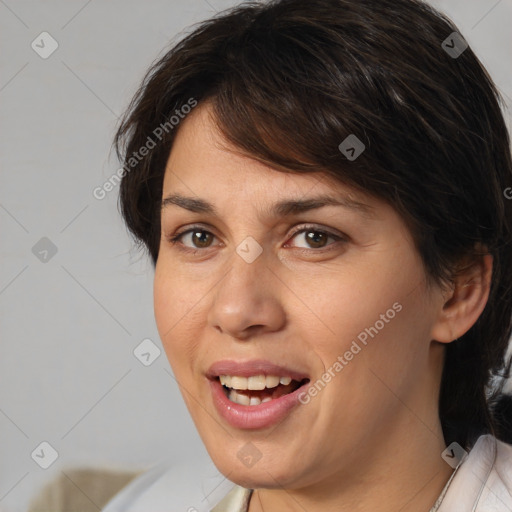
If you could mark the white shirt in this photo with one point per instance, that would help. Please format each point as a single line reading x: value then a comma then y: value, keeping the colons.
x: 482, y: 483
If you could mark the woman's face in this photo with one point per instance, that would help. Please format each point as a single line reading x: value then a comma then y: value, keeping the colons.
x: 265, y: 285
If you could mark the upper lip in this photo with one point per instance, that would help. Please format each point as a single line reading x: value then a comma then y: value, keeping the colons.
x: 253, y: 367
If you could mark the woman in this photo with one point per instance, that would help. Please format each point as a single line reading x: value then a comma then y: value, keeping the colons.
x: 321, y: 188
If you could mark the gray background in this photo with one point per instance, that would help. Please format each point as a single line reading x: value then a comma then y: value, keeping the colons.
x: 69, y: 324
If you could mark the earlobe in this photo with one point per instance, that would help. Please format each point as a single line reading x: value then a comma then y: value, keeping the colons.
x: 464, y: 302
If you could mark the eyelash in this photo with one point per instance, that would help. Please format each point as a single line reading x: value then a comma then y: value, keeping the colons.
x: 175, y: 239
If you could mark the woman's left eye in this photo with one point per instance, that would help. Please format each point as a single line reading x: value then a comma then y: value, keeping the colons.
x: 314, y: 238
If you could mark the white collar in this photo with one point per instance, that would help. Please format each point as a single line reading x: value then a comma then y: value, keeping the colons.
x: 483, y: 482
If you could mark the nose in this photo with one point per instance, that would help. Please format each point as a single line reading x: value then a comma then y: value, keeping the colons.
x: 246, y: 300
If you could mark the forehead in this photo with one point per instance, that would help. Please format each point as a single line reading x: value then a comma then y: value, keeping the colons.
x: 200, y: 154
x: 203, y: 164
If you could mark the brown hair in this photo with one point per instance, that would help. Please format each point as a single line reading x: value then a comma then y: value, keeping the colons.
x: 289, y: 80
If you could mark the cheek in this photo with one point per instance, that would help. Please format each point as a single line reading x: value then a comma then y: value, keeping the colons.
x: 174, y: 311
x: 384, y: 341
x: 164, y: 300
x: 175, y: 298
x: 375, y: 316
x: 345, y: 304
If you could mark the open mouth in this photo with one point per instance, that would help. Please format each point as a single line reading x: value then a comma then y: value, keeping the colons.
x: 258, y: 389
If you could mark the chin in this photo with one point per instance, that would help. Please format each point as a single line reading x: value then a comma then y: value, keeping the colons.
x: 260, y: 474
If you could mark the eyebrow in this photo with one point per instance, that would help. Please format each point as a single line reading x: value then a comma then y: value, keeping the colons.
x: 279, y: 209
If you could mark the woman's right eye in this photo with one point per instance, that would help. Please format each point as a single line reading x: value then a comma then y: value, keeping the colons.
x: 199, y: 242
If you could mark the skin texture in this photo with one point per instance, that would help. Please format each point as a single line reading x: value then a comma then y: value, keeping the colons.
x: 371, y: 439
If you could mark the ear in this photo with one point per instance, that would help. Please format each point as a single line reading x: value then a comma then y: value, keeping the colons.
x: 464, y: 301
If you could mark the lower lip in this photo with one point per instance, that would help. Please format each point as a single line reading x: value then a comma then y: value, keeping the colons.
x: 254, y: 416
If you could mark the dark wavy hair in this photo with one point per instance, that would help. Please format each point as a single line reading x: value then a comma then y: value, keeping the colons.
x: 289, y: 80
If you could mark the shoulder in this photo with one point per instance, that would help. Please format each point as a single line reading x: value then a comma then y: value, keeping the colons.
x: 497, y: 491
x: 483, y: 482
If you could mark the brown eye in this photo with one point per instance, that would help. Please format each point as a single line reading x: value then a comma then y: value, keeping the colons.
x: 197, y: 238
x: 201, y: 238
x: 316, y: 238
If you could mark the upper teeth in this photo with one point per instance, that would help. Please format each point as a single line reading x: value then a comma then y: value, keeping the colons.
x: 254, y: 382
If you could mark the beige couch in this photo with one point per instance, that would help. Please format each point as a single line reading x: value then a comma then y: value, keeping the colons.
x: 81, y: 490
